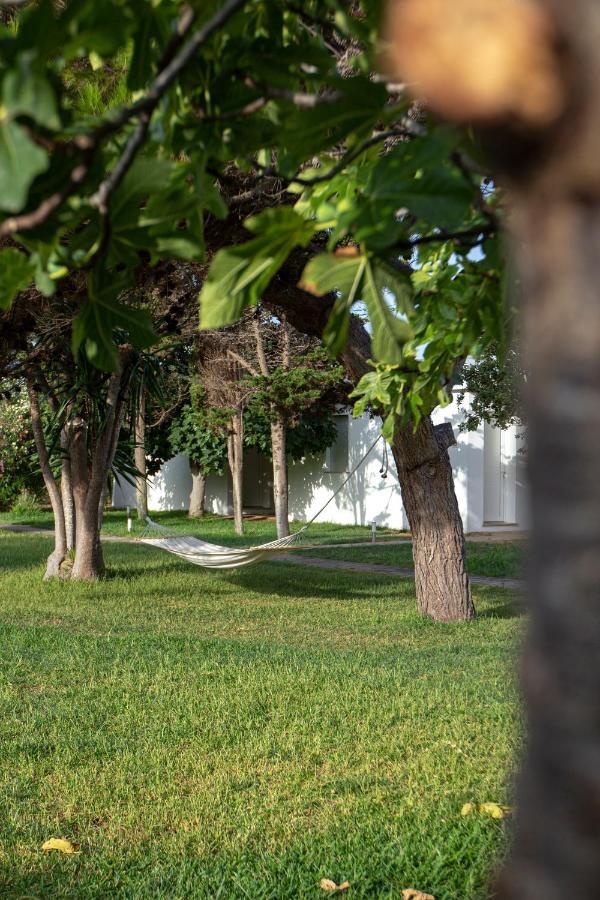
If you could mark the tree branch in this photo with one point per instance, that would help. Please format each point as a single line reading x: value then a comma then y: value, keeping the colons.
x: 142, y: 110
x: 470, y: 236
x: 242, y: 362
x: 406, y: 131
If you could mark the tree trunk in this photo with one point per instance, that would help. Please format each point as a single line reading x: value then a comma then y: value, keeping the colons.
x: 422, y: 463
x: 66, y: 483
x: 141, y: 480
x: 89, y: 560
x: 66, y: 489
x: 557, y: 843
x: 198, y: 493
x: 425, y: 475
x: 235, y: 456
x: 89, y: 468
x: 280, y: 478
x: 56, y: 558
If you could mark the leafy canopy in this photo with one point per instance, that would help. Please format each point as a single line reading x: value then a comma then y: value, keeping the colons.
x: 127, y: 127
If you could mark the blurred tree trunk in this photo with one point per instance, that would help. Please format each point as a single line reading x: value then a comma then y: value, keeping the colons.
x: 557, y: 844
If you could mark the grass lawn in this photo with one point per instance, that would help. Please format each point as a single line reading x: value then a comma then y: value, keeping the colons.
x: 502, y: 560
x: 243, y: 735
x: 216, y: 528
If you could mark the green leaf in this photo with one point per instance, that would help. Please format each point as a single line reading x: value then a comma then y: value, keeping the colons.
x: 20, y: 161
x: 239, y: 274
x: 354, y: 277
x: 307, y: 132
x: 157, y: 208
x: 103, y: 314
x: 16, y: 273
x: 382, y: 287
x: 341, y: 274
x: 26, y: 92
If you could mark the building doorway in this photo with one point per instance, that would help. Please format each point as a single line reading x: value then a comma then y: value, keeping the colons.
x: 258, y: 482
x: 500, y: 476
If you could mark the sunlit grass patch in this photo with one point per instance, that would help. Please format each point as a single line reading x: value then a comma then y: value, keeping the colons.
x: 246, y: 734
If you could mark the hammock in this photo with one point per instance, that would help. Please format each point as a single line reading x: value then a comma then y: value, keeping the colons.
x: 213, y: 556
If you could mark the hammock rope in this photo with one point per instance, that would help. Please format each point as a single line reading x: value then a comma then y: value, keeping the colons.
x: 214, y: 556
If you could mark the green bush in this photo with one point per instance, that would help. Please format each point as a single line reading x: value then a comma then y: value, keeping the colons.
x: 19, y: 468
x: 26, y: 504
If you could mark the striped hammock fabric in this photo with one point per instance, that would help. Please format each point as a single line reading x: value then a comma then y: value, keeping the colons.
x: 213, y: 556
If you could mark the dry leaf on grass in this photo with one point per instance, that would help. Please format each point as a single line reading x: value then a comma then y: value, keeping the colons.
x: 328, y: 885
x: 413, y: 894
x: 61, y: 845
x: 495, y: 810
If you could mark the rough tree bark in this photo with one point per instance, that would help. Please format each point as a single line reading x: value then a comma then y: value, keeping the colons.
x: 141, y: 480
x: 59, y: 553
x: 197, y: 495
x: 423, y: 466
x: 235, y: 457
x: 429, y: 498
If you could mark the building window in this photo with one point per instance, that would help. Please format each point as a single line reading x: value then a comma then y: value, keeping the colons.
x: 336, y: 456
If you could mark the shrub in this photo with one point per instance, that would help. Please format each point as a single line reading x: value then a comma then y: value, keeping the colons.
x: 26, y: 504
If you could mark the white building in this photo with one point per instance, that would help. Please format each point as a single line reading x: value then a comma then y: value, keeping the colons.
x: 488, y: 475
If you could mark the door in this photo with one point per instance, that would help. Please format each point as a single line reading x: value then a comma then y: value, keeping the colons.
x: 500, y: 475
x: 258, y: 481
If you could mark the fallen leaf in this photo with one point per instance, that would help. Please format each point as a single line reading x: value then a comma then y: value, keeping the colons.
x: 61, y: 845
x: 467, y: 809
x: 413, y: 894
x: 328, y: 885
x: 495, y: 810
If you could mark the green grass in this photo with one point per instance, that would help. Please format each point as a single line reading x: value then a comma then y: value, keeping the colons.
x: 501, y: 560
x: 215, y: 528
x: 242, y: 735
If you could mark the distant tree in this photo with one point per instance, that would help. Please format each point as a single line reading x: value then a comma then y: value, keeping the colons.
x: 494, y: 384
x: 293, y: 402
x: 200, y: 433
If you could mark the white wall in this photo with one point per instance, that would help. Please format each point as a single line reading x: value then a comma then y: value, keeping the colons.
x: 468, y: 467
x: 367, y: 497
x: 170, y: 489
